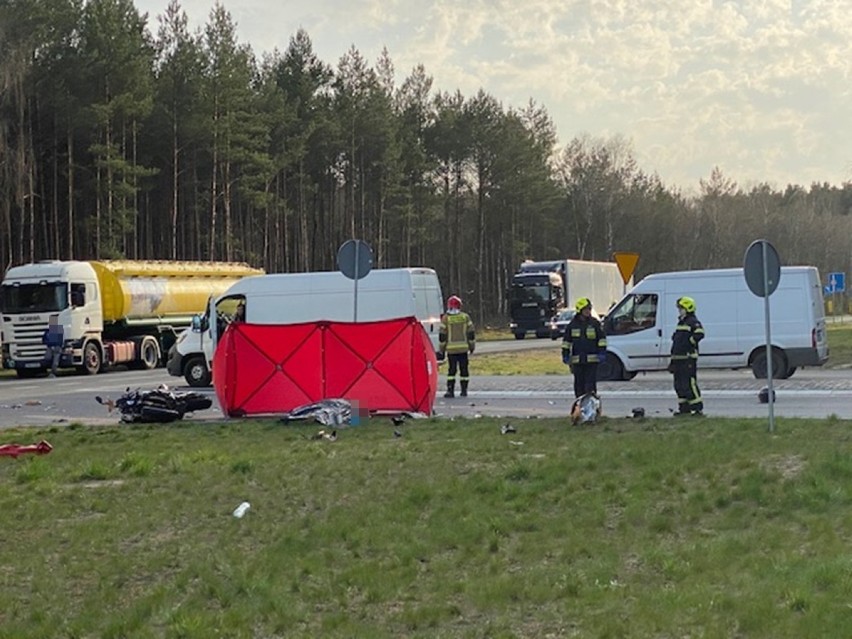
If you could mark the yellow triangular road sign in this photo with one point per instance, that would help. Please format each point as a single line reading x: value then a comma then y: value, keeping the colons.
x: 626, y: 264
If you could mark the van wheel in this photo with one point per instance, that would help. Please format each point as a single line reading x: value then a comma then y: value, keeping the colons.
x: 789, y: 372
x: 779, y: 365
x: 195, y: 372
x: 611, y: 370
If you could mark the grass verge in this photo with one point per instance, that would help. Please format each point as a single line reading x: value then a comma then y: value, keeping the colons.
x: 631, y: 528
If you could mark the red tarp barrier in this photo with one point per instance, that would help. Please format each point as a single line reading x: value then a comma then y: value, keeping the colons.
x: 384, y: 366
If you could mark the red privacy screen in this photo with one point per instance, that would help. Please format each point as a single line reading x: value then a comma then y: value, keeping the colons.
x: 384, y: 366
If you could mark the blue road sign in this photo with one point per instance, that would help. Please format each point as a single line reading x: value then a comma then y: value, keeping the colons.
x: 836, y: 283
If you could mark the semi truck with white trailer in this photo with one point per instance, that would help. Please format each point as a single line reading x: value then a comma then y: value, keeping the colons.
x: 111, y: 311
x: 540, y: 290
x: 295, y: 298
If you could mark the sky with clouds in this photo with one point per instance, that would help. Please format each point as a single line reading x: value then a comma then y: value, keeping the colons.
x: 760, y: 88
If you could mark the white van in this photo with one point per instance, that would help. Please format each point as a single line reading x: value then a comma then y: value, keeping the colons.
x: 639, y: 328
x: 295, y: 298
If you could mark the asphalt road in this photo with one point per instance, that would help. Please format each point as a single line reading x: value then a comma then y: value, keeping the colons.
x: 809, y: 393
x: 812, y: 393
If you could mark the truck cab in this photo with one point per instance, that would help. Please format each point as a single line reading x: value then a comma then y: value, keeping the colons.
x: 29, y: 295
x: 534, y: 299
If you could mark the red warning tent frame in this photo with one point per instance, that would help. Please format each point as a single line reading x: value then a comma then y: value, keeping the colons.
x: 387, y: 366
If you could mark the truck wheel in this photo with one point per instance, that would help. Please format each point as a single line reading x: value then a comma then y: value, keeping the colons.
x: 195, y: 372
x: 611, y: 370
x: 779, y: 364
x: 149, y: 353
x: 92, y: 360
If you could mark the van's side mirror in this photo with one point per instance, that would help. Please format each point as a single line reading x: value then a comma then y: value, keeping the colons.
x: 196, y: 324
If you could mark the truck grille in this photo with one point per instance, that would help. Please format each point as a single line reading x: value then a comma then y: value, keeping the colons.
x: 25, y: 343
x: 528, y: 313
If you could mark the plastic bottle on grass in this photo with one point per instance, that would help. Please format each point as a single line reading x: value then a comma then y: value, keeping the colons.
x: 241, y: 510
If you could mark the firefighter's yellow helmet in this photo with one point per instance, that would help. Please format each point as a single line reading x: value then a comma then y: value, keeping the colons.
x: 582, y: 303
x: 687, y: 304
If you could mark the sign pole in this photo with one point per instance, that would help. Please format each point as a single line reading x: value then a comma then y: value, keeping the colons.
x: 762, y: 271
x: 357, y: 276
x: 769, y: 372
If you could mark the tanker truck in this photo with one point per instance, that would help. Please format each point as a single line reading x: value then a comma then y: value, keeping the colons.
x: 111, y: 311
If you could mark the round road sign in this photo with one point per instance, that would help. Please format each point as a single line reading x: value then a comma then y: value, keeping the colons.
x: 355, y: 259
x: 762, y: 283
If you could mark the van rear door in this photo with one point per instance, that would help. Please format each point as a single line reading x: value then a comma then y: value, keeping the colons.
x: 428, y: 301
x: 819, y: 337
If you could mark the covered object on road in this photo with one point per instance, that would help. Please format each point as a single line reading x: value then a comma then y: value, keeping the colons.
x: 386, y: 366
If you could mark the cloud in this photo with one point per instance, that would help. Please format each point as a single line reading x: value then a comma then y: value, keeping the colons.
x: 760, y: 88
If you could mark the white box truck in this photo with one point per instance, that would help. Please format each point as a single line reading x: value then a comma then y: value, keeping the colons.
x: 639, y: 328
x: 295, y: 298
x: 541, y: 290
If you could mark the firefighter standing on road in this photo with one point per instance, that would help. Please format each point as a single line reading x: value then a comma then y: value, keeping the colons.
x: 684, y: 361
x: 457, y: 338
x: 584, y: 347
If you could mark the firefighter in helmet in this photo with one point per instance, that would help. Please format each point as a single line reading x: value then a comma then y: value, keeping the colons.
x: 584, y: 347
x: 457, y: 338
x: 684, y: 358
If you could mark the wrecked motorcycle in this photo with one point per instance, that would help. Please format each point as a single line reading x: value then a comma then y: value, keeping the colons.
x: 160, y: 405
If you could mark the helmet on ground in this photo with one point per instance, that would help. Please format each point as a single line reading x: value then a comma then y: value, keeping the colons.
x: 687, y: 304
x: 454, y: 302
x: 583, y: 302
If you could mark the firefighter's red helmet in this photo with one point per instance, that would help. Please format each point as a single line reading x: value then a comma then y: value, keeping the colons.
x: 454, y: 302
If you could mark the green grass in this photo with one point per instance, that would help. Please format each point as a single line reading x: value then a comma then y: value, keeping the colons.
x: 547, y: 361
x: 840, y: 345
x: 652, y: 528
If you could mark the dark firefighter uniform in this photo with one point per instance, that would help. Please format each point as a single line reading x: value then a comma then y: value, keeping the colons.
x: 684, y: 359
x: 584, y: 347
x: 457, y: 338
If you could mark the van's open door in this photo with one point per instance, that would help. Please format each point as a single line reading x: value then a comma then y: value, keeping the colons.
x: 635, y: 327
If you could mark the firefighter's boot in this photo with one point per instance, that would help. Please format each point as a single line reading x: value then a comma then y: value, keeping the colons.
x: 451, y: 385
x: 463, y: 388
